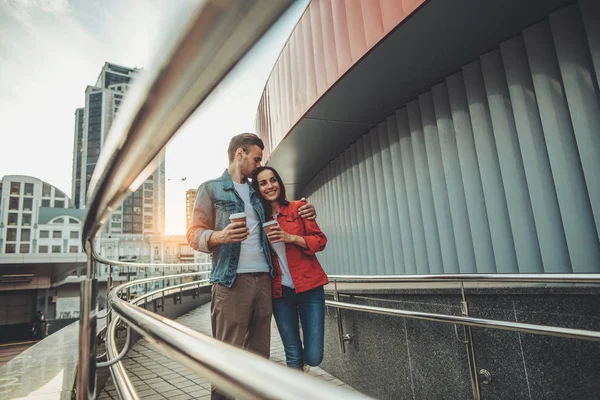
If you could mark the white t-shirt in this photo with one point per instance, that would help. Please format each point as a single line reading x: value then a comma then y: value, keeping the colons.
x: 252, y: 256
x: 279, y: 248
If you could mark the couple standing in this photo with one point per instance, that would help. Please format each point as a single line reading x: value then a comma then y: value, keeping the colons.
x: 256, y: 275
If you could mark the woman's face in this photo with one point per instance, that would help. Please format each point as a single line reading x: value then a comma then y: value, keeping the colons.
x: 268, y: 185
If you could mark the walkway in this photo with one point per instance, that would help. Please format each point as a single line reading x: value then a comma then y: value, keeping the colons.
x: 158, y: 377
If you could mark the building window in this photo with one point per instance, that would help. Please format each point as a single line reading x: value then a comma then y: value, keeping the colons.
x: 73, y: 249
x: 25, y: 235
x: 73, y: 221
x: 24, y: 248
x: 147, y: 201
x: 59, y: 221
x: 13, y: 219
x: 148, y: 209
x: 28, y: 189
x: 10, y: 248
x: 11, y: 235
x: 43, y: 249
x: 56, y: 235
x: 27, y: 204
x: 44, y: 234
x: 45, y: 202
x: 13, y: 203
x: 115, y: 225
x: 26, y: 220
x: 56, y: 249
x: 74, y: 234
x: 46, y: 190
x: 15, y: 188
x: 59, y: 204
x: 148, y: 226
x: 59, y: 194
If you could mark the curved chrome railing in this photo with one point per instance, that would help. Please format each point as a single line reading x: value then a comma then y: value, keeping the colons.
x: 236, y: 372
x: 196, y: 57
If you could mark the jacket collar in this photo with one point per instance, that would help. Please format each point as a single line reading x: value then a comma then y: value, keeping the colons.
x: 285, y: 210
x: 228, y: 182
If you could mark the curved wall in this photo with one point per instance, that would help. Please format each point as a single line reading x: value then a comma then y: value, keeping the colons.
x: 330, y: 38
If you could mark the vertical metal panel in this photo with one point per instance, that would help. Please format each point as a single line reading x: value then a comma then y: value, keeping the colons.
x: 407, y: 174
x: 366, y: 251
x: 357, y: 38
x: 372, y: 189
x: 454, y: 180
x: 511, y: 164
x: 374, y: 259
x: 582, y: 94
x: 573, y: 198
x: 544, y: 201
x: 476, y: 207
x: 343, y: 223
x: 396, y: 196
x: 355, y: 242
x: 318, y: 39
x: 590, y: 12
x: 438, y: 184
x: 386, y: 202
x: 310, y: 66
x: 373, y: 21
x: 335, y: 218
x: 330, y: 48
x: 489, y: 166
x: 391, y: 12
x: 432, y: 237
x: 342, y: 42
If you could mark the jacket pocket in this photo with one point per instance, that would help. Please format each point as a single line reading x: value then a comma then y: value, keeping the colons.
x: 223, y: 209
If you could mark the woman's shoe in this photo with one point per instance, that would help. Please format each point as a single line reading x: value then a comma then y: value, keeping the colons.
x: 306, y: 368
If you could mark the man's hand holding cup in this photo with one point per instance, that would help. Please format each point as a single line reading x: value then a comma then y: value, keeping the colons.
x: 236, y: 231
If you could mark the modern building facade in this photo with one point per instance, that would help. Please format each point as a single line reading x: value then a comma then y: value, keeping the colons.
x: 190, y: 199
x: 143, y: 212
x: 37, y: 217
x: 448, y: 138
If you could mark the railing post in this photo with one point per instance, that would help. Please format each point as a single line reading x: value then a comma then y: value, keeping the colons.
x: 336, y: 297
x: 109, y: 283
x: 470, y: 347
x: 86, y: 366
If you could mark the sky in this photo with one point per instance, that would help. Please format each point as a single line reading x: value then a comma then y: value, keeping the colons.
x: 50, y: 50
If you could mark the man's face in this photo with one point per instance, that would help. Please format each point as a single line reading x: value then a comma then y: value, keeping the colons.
x: 251, y: 161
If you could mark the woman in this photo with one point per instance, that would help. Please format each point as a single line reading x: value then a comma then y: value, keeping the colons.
x: 299, y: 279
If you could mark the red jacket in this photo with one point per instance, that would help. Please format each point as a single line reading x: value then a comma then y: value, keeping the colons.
x: 305, y: 269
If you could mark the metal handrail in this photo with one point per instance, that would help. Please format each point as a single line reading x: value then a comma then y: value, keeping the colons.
x: 467, y: 320
x: 470, y: 321
x: 234, y: 371
x: 474, y: 278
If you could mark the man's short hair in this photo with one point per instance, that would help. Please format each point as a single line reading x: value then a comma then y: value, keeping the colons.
x: 245, y: 141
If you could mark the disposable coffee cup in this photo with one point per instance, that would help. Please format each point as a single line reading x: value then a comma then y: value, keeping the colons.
x: 238, y: 217
x: 267, y: 226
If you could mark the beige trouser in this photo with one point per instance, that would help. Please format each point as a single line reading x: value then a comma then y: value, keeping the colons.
x: 241, y: 315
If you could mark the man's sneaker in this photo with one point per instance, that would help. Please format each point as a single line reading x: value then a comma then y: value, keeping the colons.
x: 306, y: 368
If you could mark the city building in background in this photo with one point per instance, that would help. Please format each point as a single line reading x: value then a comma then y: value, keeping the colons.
x: 143, y: 211
x: 37, y: 217
x: 190, y: 199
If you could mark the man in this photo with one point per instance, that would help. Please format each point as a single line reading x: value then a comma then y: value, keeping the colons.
x: 242, y: 269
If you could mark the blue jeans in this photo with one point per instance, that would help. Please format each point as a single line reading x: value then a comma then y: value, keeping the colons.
x: 310, y: 306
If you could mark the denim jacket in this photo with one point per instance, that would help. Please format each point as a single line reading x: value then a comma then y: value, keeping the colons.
x: 215, y: 201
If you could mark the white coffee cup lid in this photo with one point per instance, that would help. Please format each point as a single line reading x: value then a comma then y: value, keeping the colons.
x: 269, y: 223
x: 237, y: 215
